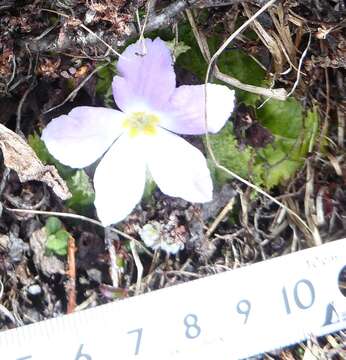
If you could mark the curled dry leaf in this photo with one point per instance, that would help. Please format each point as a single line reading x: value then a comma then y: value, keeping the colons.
x: 49, y: 265
x: 19, y: 156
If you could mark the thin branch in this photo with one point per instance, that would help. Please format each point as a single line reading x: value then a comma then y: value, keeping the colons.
x: 20, y: 106
x: 221, y: 216
x: 168, y: 15
x: 278, y: 94
x: 86, y: 29
x: 14, y: 67
x: 300, y: 66
x: 73, y: 93
x: 114, y: 269
x: 234, y: 35
x: 155, y: 21
x: 139, y: 267
x: 78, y: 217
x: 71, y: 272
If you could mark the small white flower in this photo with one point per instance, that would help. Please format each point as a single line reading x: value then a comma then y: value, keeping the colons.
x: 150, y: 234
x: 141, y: 136
x: 155, y: 237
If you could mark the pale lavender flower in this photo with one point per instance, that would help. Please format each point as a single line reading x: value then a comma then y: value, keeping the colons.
x: 141, y: 137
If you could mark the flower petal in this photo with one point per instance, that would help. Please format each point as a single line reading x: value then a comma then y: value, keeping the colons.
x: 81, y: 137
x: 119, y: 181
x: 178, y: 168
x: 185, y: 112
x: 146, y: 75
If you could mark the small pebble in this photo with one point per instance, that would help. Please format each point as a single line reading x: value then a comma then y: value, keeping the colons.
x: 34, y: 289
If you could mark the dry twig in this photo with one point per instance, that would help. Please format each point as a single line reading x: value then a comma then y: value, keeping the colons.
x: 138, y: 265
x: 71, y: 273
x: 20, y: 106
x: 115, y: 272
x: 220, y: 217
x: 73, y: 93
x: 79, y: 23
x: 82, y: 218
x: 278, y: 94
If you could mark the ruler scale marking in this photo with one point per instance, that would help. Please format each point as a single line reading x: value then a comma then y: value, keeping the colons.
x: 232, y: 315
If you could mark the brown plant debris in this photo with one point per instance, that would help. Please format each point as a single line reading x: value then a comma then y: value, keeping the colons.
x: 19, y: 156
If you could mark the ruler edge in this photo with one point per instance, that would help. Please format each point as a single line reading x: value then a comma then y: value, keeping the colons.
x: 54, y: 321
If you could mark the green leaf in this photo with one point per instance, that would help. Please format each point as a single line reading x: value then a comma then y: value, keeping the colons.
x: 277, y: 162
x: 53, y: 224
x: 104, y: 78
x: 57, y: 243
x: 283, y: 118
x: 150, y: 187
x: 82, y: 191
x: 177, y: 48
x: 40, y: 148
x: 228, y: 154
x: 278, y: 167
x: 294, y: 134
x: 120, y: 261
x: 104, y: 84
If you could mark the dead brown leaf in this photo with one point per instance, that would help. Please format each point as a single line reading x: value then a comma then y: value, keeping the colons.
x: 49, y: 265
x: 19, y: 156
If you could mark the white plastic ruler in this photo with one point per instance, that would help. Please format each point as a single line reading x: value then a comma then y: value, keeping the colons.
x: 231, y: 315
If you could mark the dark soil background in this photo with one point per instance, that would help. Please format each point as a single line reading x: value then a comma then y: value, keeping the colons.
x: 49, y: 51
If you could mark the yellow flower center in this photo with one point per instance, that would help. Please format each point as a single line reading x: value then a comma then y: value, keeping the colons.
x: 141, y: 123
